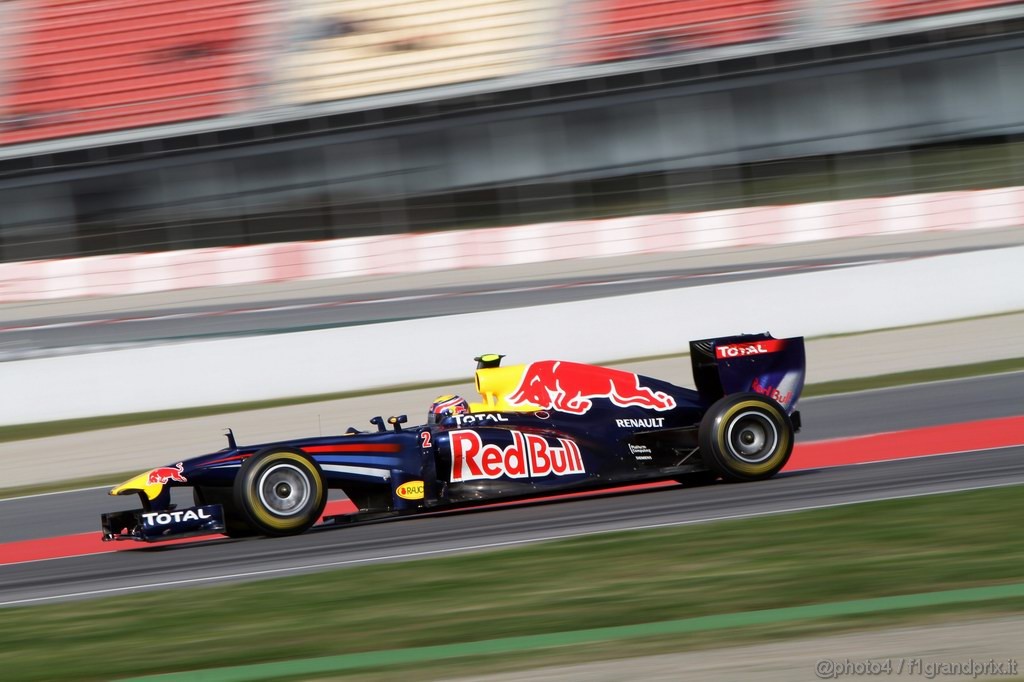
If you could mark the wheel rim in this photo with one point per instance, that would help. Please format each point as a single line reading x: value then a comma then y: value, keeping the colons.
x: 752, y: 437
x: 284, y: 489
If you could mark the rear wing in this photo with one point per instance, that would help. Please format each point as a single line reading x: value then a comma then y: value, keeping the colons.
x: 757, y: 363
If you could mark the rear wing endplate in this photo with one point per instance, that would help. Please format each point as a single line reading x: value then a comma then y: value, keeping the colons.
x: 758, y: 363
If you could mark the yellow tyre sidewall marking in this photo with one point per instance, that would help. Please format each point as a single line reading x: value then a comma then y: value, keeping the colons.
x: 256, y: 507
x: 721, y: 426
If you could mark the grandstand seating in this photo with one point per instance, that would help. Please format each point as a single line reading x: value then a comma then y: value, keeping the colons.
x: 73, y: 67
x: 363, y: 47
x: 84, y: 66
x: 893, y: 10
x: 603, y: 30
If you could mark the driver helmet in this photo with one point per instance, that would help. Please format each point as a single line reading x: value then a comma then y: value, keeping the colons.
x: 447, y: 406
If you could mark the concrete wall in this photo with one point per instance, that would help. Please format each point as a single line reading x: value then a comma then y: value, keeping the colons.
x: 353, y: 358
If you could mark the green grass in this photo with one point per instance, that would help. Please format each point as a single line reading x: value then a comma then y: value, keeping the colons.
x: 867, y: 550
x: 68, y: 426
x: 473, y: 666
x: 103, y: 480
x: 914, y: 377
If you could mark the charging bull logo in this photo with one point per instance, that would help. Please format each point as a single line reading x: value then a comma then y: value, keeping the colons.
x: 164, y: 475
x: 571, y: 387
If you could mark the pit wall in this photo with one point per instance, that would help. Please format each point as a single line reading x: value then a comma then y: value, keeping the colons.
x: 234, y: 370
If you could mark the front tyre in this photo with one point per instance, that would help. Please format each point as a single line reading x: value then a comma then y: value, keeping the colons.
x: 235, y: 525
x: 746, y: 437
x: 280, y: 491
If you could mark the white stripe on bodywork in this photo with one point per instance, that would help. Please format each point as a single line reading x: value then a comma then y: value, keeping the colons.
x: 384, y: 474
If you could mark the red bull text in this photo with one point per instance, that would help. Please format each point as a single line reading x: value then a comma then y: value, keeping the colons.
x: 164, y: 475
x: 528, y: 456
x: 771, y: 392
x: 571, y: 387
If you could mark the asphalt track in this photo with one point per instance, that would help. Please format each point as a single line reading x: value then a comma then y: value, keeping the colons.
x: 213, y: 561
x: 96, y: 331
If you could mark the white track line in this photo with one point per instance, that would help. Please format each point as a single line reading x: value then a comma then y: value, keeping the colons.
x: 56, y: 492
x: 480, y: 547
x: 915, y: 384
x: 410, y: 297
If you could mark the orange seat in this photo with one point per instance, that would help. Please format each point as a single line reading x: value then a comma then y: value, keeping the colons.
x: 894, y: 10
x: 621, y: 29
x: 86, y: 66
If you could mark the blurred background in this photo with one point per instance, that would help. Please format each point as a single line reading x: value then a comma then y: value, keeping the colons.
x: 148, y: 125
x: 363, y: 172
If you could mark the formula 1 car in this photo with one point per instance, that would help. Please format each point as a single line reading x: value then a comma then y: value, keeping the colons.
x: 545, y: 427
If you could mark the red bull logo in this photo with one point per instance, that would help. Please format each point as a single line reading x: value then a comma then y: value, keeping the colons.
x: 572, y: 387
x: 771, y: 392
x: 529, y: 455
x: 164, y: 475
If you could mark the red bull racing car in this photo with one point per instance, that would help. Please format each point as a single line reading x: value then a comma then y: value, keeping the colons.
x: 545, y: 427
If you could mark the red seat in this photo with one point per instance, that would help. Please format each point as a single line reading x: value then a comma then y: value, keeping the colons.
x: 86, y: 66
x: 621, y: 29
x: 894, y: 10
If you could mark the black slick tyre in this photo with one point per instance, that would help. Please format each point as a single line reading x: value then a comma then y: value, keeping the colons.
x: 280, y: 491
x: 746, y: 437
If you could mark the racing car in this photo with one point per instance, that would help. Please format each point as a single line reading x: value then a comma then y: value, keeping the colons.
x: 538, y: 428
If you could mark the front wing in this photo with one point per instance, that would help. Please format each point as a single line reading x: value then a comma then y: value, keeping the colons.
x: 149, y: 526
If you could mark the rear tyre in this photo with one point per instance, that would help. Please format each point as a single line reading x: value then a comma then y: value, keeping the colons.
x: 746, y: 437
x: 280, y: 491
x: 235, y: 525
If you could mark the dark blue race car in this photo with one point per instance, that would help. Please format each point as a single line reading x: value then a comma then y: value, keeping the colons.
x: 540, y: 428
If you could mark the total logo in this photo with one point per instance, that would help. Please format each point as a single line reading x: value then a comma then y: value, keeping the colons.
x: 413, y: 490
x: 466, y: 419
x: 529, y: 455
x: 164, y: 518
x: 742, y: 350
